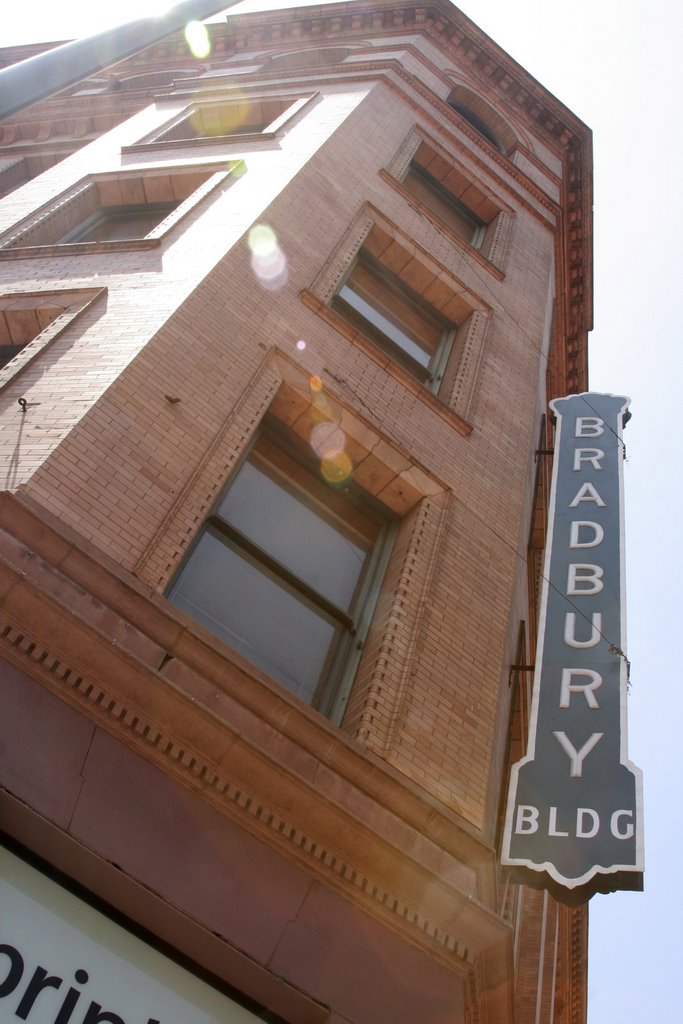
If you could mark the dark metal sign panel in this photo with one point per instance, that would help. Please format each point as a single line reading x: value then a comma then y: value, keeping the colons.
x: 574, y: 814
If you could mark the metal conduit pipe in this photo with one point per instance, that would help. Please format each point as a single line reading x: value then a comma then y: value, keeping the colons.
x: 47, y: 73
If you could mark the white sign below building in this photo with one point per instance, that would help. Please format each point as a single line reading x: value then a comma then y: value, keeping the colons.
x: 62, y: 962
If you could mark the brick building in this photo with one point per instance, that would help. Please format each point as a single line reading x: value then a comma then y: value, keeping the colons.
x: 280, y: 325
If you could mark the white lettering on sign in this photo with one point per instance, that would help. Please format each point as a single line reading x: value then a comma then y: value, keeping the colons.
x: 568, y: 687
x: 586, y: 823
x: 576, y: 534
x: 587, y: 492
x: 592, y: 455
x: 584, y: 578
x: 581, y: 814
x: 552, y: 825
x: 570, y: 630
x: 527, y: 820
x: 589, y: 426
x: 614, y: 825
x: 577, y: 757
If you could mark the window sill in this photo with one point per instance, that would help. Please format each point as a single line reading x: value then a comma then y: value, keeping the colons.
x: 79, y: 248
x: 239, y: 138
x: 386, y: 362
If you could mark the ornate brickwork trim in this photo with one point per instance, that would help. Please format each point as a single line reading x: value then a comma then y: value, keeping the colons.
x: 56, y: 217
x: 578, y: 939
x: 339, y: 263
x: 168, y: 545
x: 465, y: 372
x: 475, y: 1004
x: 390, y: 676
x: 13, y: 172
x: 400, y: 163
x: 496, y: 239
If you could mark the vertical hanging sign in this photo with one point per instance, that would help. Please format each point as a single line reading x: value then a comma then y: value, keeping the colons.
x: 574, y: 814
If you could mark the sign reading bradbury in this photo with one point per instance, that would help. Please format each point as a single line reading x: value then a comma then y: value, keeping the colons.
x: 574, y: 807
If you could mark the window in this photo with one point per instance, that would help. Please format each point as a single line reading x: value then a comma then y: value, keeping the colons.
x: 449, y: 197
x: 124, y: 210
x: 447, y: 207
x: 21, y: 320
x: 446, y: 192
x: 484, y: 118
x: 396, y: 318
x: 477, y: 123
x: 405, y: 311
x: 221, y: 121
x: 224, y: 121
x: 116, y: 223
x: 286, y: 571
x: 29, y: 322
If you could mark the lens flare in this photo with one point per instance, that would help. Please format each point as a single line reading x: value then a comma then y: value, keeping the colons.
x: 336, y: 469
x: 262, y: 241
x: 270, y: 271
x: 268, y: 261
x: 322, y: 410
x: 301, y: 344
x: 315, y: 384
x: 197, y: 38
x: 327, y: 440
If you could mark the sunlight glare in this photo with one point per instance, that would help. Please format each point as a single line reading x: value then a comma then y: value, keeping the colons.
x: 197, y: 38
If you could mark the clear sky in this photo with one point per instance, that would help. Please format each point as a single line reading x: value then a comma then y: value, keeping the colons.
x: 617, y: 64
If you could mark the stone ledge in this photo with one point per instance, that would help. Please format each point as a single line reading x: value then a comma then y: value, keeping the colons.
x: 213, y: 722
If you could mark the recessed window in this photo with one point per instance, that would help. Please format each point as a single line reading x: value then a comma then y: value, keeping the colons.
x: 380, y: 304
x: 224, y: 121
x: 447, y: 207
x: 219, y: 122
x: 477, y: 123
x: 22, y: 320
x: 30, y: 322
x: 445, y: 191
x: 116, y: 223
x: 484, y: 118
x: 286, y: 570
x: 122, y: 210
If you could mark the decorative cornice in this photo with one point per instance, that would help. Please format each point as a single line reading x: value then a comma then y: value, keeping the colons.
x: 196, y: 772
